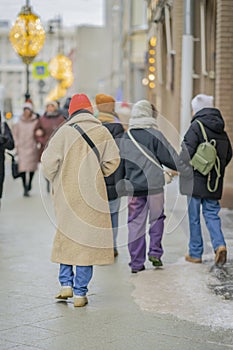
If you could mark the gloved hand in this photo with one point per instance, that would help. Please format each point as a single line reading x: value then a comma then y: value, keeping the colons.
x: 3, y: 139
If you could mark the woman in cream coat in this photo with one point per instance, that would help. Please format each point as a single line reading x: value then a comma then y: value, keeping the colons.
x: 84, y: 232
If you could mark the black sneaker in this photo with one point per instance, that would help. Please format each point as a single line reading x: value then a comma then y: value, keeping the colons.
x: 26, y: 194
x: 136, y: 271
x: 115, y: 252
x: 155, y: 261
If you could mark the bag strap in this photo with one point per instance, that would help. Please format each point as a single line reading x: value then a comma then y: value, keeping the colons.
x: 203, y: 130
x: 11, y: 155
x: 217, y: 170
x: 147, y: 155
x: 87, y: 139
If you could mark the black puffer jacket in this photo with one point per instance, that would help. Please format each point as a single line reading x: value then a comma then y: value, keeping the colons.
x: 117, y: 130
x: 6, y: 142
x: 213, y: 123
x: 142, y: 176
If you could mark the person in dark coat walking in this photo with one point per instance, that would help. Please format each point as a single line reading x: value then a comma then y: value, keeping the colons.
x: 47, y: 124
x: 106, y: 114
x: 197, y: 192
x: 144, y: 184
x: 6, y: 142
x: 65, y: 109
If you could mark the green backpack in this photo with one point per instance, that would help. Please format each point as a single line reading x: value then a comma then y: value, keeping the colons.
x: 206, y: 158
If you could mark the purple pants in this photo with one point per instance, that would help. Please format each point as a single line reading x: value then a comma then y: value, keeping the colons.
x: 138, y: 210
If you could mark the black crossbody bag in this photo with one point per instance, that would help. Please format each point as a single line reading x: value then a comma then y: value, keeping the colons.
x: 87, y: 139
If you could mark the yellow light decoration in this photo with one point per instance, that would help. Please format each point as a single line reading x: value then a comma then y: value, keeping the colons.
x: 27, y: 35
x: 152, y: 52
x: 153, y: 41
x: 60, y: 68
x: 59, y: 65
x: 8, y: 115
x: 151, y: 60
x: 152, y: 69
x: 67, y: 81
x: 56, y: 93
x: 152, y: 85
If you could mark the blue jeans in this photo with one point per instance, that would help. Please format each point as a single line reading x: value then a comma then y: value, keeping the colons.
x: 114, y: 206
x: 79, y: 281
x: 210, y: 210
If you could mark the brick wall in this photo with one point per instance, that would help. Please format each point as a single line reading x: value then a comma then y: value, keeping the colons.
x: 224, y: 82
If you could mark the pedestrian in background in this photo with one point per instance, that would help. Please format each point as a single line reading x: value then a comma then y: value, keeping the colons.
x: 75, y: 162
x: 26, y: 146
x: 6, y: 142
x: 108, y: 117
x: 198, y: 195
x: 145, y: 184
x: 47, y: 124
x: 30, y: 101
x: 65, y: 109
x: 124, y: 111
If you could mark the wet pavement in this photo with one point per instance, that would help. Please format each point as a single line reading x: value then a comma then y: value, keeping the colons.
x: 180, y: 306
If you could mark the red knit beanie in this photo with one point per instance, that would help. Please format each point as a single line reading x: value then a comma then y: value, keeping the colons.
x: 80, y: 101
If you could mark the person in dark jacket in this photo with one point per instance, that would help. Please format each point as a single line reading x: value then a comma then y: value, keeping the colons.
x: 6, y: 142
x: 198, y: 194
x: 46, y: 126
x: 106, y: 114
x: 65, y: 109
x: 144, y: 182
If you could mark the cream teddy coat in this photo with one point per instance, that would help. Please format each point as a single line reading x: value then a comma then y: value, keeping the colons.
x: 84, y: 233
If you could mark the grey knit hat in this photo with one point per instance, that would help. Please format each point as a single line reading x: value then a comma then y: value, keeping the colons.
x: 142, y: 115
x: 202, y: 101
x: 142, y: 109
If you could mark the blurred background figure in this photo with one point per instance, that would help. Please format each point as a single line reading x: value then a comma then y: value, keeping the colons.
x: 46, y: 125
x: 106, y: 114
x: 26, y: 147
x: 123, y: 110
x: 65, y: 108
x: 6, y: 142
x: 30, y: 101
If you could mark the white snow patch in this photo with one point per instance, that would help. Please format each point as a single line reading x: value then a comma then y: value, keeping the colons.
x: 182, y: 290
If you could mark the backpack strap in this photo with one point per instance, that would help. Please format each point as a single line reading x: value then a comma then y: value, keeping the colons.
x: 217, y: 170
x: 203, y: 130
